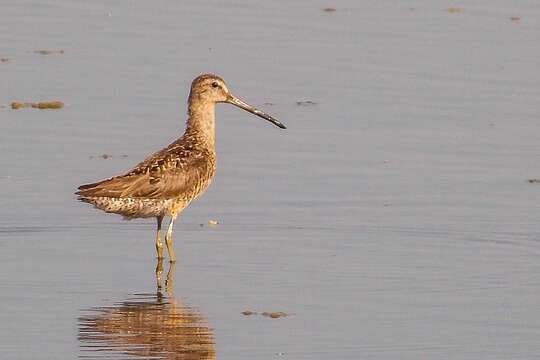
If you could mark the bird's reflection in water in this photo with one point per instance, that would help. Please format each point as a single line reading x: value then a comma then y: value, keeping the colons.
x: 147, y: 326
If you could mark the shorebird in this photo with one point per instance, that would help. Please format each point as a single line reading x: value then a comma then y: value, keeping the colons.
x: 167, y: 181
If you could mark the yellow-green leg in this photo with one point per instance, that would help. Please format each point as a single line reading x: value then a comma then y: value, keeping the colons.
x: 169, y: 280
x: 169, y: 241
x: 159, y: 271
x: 159, y: 244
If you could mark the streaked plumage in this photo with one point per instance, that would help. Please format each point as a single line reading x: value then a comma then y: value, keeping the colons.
x: 167, y: 181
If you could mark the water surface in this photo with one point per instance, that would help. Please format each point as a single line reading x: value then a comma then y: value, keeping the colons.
x: 392, y: 219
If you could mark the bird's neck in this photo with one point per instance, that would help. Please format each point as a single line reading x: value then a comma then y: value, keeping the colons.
x: 201, y: 121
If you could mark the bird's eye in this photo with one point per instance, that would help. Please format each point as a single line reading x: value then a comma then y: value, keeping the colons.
x: 214, y: 84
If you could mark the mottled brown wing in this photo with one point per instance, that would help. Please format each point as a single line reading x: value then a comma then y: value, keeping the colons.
x: 161, y: 176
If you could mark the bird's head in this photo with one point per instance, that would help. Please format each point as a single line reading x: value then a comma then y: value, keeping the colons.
x: 210, y: 88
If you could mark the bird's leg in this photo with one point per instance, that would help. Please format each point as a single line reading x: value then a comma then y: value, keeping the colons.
x: 159, y: 244
x: 159, y: 271
x: 168, y: 240
x: 169, y: 280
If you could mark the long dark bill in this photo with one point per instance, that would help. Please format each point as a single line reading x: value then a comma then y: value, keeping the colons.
x: 242, y: 105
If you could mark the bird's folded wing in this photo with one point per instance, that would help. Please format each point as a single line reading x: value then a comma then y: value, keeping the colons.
x: 154, y: 179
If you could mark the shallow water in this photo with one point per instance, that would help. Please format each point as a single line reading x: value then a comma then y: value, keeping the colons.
x: 392, y: 219
x: 153, y: 325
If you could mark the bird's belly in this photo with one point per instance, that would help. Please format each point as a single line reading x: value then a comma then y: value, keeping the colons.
x: 138, y: 208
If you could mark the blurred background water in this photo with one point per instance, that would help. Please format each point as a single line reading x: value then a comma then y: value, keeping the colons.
x: 393, y: 219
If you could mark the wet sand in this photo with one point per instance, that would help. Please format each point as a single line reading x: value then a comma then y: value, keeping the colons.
x: 393, y: 219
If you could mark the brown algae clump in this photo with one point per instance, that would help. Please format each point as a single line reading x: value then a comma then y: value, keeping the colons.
x: 275, y: 314
x: 15, y: 105
x: 271, y: 315
x: 49, y: 105
x: 306, y: 103
x: 48, y: 52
